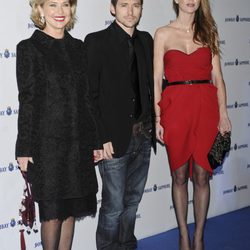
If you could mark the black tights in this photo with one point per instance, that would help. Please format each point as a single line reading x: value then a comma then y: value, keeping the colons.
x: 57, y: 234
x: 201, y: 197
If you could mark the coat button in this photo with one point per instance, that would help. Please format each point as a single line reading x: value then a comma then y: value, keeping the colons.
x: 131, y: 116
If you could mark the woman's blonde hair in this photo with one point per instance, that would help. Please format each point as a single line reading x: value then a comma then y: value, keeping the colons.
x: 205, y: 28
x: 36, y: 18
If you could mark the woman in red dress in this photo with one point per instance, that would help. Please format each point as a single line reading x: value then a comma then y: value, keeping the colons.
x: 191, y: 109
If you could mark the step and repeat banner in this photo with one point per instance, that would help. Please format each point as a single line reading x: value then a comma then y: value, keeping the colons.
x: 230, y: 185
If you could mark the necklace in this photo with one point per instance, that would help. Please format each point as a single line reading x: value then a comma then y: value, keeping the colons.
x: 187, y: 30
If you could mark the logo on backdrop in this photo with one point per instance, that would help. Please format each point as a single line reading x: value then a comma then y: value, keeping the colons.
x: 237, y: 19
x: 9, y: 111
x: 156, y: 188
x: 235, y: 189
x: 6, y: 53
x: 237, y: 62
x: 11, y: 167
x: 237, y: 105
x: 38, y: 244
x: 4, y: 226
x: 10, y: 224
x: 239, y: 146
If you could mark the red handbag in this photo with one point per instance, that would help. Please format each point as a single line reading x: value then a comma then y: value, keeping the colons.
x: 27, y: 212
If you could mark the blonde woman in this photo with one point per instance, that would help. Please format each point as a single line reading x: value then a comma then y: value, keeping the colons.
x: 56, y: 124
x: 191, y: 109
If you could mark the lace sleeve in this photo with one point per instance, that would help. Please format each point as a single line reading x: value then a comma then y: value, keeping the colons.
x: 25, y: 80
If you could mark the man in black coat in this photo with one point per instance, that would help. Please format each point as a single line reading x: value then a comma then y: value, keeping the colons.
x: 121, y: 83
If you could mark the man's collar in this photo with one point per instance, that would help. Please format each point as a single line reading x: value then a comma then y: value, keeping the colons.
x: 122, y: 34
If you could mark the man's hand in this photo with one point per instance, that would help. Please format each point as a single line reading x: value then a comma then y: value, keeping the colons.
x: 108, y: 151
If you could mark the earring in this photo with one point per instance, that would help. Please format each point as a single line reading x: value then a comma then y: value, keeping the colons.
x: 42, y: 19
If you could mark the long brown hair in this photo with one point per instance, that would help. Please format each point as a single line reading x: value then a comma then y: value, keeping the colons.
x: 205, y: 28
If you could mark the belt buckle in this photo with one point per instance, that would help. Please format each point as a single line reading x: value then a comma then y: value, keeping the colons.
x: 189, y: 82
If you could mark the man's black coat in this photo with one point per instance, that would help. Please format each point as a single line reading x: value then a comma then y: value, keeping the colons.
x: 108, y: 74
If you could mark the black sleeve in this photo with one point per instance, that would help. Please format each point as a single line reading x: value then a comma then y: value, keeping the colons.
x: 25, y: 81
x: 89, y: 102
x: 93, y: 54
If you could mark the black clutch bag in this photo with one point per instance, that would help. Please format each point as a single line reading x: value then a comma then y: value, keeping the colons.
x: 220, y: 147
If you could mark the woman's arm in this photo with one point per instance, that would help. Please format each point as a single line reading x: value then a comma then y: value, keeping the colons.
x: 224, y: 122
x: 159, y: 50
x: 25, y: 81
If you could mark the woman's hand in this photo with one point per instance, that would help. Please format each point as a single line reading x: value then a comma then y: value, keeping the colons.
x: 98, y: 155
x: 224, y: 125
x: 159, y: 132
x: 23, y: 163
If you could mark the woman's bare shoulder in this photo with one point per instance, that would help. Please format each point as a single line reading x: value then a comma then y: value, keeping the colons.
x: 163, y: 32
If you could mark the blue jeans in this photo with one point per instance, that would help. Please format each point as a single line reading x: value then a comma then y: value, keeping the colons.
x: 124, y: 181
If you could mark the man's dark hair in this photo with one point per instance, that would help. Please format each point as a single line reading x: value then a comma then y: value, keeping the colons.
x: 114, y: 2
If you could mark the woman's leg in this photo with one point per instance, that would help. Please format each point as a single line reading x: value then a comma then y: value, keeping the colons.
x: 180, y: 199
x: 201, y: 203
x: 67, y: 234
x: 50, y: 234
x: 57, y: 235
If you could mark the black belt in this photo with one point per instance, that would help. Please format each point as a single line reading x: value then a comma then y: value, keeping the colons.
x: 190, y: 82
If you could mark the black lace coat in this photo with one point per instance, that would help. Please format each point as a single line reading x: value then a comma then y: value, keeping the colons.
x: 56, y: 124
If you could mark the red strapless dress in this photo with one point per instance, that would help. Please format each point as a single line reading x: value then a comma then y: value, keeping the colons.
x: 189, y: 113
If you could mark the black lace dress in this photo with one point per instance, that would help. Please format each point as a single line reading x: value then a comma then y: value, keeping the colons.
x: 56, y: 125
